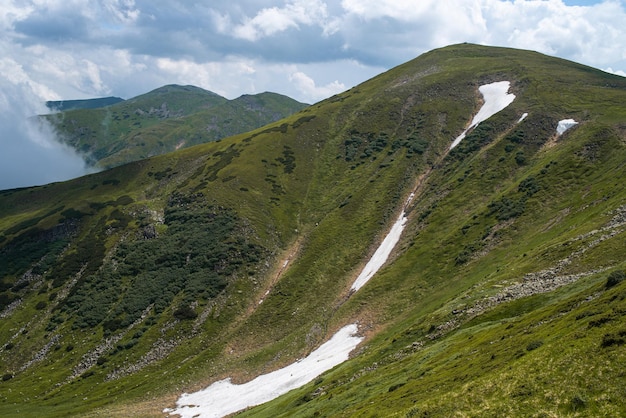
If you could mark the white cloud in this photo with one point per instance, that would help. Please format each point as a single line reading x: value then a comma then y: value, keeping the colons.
x: 590, y: 34
x: 221, y: 22
x: 67, y: 72
x: 307, y: 85
x: 403, y: 10
x: 13, y: 73
x: 272, y: 20
x: 618, y: 72
x: 93, y: 74
x: 11, y: 12
x: 30, y: 152
x: 122, y: 10
x: 85, y: 48
x: 307, y: 49
x: 220, y: 77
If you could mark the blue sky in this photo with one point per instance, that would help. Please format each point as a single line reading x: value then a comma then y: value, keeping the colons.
x: 306, y: 49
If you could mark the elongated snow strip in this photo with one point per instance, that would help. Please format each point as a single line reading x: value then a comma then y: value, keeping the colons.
x: 223, y: 398
x: 524, y: 116
x: 496, y: 98
x: 384, y: 250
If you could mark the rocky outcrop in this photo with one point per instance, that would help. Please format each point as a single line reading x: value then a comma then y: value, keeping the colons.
x: 542, y: 281
x: 41, y: 354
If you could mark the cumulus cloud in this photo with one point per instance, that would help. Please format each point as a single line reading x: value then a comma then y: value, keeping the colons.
x: 589, y: 34
x: 403, y: 10
x: 306, y: 49
x: 269, y: 21
x: 217, y: 77
x: 307, y: 85
x: 76, y: 39
x: 123, y: 10
x: 618, y: 72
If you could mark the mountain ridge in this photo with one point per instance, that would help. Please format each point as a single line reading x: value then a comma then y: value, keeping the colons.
x: 163, y: 120
x: 295, y: 209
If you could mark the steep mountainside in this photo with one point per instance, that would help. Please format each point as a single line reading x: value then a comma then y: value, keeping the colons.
x: 503, y: 297
x: 163, y: 120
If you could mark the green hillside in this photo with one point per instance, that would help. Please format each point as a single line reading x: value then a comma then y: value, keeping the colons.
x: 504, y: 297
x: 163, y: 120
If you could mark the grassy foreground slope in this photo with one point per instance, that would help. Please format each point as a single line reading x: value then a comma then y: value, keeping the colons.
x: 163, y: 120
x: 504, y: 297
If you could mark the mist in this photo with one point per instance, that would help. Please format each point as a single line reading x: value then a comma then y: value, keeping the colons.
x: 30, y: 151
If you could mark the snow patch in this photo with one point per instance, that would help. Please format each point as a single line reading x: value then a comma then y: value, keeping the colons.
x: 223, y: 398
x: 564, y: 125
x: 384, y: 250
x: 523, y: 117
x: 382, y: 253
x: 496, y: 98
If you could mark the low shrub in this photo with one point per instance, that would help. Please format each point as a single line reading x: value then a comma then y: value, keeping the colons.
x: 533, y: 345
x: 615, y: 278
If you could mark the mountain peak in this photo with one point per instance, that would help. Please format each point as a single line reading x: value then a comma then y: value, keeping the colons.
x: 473, y: 279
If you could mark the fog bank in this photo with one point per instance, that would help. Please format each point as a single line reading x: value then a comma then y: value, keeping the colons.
x: 30, y: 152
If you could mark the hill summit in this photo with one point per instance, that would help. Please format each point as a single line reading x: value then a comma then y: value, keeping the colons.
x: 453, y: 229
x: 110, y: 132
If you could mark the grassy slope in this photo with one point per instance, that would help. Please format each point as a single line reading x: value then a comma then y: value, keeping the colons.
x: 357, y: 155
x: 488, y: 365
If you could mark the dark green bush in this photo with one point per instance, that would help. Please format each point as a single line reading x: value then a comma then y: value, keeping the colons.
x: 529, y: 186
x: 577, y: 403
x: 618, y: 338
x: 507, y: 208
x: 615, y: 278
x: 185, y: 312
x: 533, y: 345
x: 395, y: 387
x: 475, y: 140
x: 196, y: 256
x: 288, y: 160
x: 24, y: 251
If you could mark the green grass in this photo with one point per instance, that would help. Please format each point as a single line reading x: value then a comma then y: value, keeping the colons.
x: 164, y: 120
x: 320, y: 189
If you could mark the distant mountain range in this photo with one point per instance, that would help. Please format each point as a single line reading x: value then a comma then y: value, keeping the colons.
x: 110, y: 132
x: 501, y: 294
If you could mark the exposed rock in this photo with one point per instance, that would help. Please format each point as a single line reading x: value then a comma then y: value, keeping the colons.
x: 542, y: 281
x: 160, y: 349
x: 41, y: 354
x: 91, y: 358
x: 8, y: 311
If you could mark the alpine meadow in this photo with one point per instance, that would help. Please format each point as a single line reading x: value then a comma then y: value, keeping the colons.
x: 499, y: 174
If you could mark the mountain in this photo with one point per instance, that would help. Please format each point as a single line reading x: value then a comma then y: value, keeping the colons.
x: 63, y: 105
x: 163, y: 120
x: 504, y: 295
